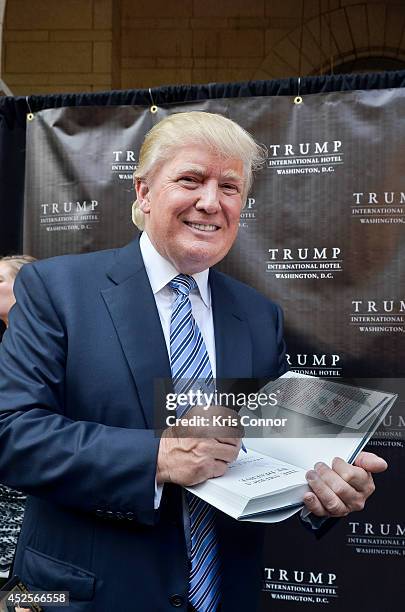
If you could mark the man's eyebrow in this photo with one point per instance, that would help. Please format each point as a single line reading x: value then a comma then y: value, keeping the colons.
x: 192, y: 169
x: 229, y: 175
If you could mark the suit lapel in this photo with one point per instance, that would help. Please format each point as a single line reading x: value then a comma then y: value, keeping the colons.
x: 132, y: 307
x: 233, y: 344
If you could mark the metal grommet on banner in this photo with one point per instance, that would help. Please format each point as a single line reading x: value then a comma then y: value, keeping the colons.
x: 30, y: 114
x: 153, y: 109
x: 298, y: 98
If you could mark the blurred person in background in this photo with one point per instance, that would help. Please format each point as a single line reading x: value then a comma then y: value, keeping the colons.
x: 9, y: 268
x: 11, y: 502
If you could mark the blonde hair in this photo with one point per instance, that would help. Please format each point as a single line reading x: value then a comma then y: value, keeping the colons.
x: 16, y: 262
x: 219, y: 133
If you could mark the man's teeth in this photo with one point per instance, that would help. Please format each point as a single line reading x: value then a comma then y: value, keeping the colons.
x: 204, y: 228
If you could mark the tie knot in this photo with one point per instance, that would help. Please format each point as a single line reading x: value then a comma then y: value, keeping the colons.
x: 183, y: 284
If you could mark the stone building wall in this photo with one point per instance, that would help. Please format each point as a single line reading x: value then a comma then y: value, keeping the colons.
x: 90, y: 45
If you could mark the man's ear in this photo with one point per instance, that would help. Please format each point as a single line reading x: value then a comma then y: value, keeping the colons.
x: 142, y: 195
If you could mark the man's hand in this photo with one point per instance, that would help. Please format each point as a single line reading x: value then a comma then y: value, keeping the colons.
x: 189, y: 455
x: 345, y: 487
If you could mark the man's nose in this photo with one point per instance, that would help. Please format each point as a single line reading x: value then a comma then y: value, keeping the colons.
x: 208, y: 199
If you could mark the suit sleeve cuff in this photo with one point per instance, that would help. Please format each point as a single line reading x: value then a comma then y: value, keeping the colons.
x: 310, y: 521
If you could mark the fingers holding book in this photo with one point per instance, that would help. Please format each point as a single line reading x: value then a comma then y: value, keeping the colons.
x: 199, y: 446
x: 343, y: 488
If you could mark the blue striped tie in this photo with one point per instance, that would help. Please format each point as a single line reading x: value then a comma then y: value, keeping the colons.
x: 190, y: 367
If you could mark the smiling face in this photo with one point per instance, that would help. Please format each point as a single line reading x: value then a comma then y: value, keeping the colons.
x: 6, y: 290
x: 192, y: 205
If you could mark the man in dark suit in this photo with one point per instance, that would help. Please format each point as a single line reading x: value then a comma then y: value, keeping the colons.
x: 106, y: 517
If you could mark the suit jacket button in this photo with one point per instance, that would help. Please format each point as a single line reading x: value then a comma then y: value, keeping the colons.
x: 176, y: 600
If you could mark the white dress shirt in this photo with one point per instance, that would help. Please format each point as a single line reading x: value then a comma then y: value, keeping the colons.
x: 160, y: 272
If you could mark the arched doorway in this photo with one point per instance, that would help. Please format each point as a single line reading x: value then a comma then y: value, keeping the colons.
x: 358, y: 37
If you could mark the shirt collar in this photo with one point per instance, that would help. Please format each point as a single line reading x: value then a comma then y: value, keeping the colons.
x: 160, y: 271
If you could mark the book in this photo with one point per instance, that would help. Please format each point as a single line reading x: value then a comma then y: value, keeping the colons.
x: 312, y: 420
